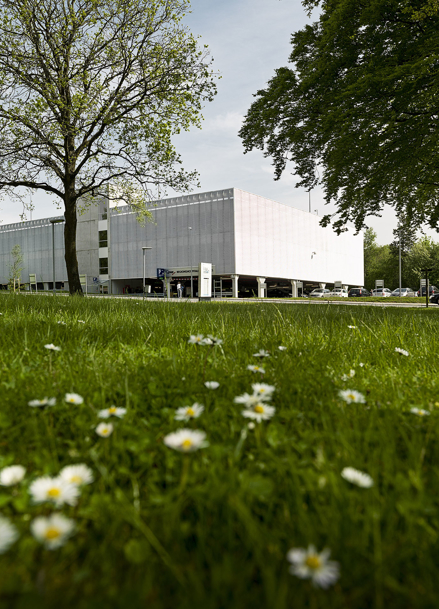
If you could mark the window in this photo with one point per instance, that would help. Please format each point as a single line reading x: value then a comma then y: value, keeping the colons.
x: 103, y: 266
x: 103, y: 238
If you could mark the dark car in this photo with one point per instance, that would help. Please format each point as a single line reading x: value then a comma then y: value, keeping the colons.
x: 434, y: 298
x: 355, y: 292
x: 432, y: 289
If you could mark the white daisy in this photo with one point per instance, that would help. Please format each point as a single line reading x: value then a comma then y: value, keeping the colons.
x: 282, y: 348
x: 251, y: 425
x: 309, y: 564
x: 402, y: 351
x: 361, y: 364
x: 196, y: 339
x: 113, y: 411
x: 104, y: 430
x: 256, y: 369
x: 61, y: 323
x: 8, y: 534
x: 81, y: 321
x: 206, y: 341
x: 56, y: 490
x: 214, y: 340
x: 263, y: 391
x: 73, y: 398
x: 188, y: 412
x: 211, y: 384
x: 419, y: 412
x: 247, y: 399
x: 350, y: 375
x: 186, y: 440
x: 43, y: 402
x: 356, y: 477
x: 78, y: 474
x: 261, y: 353
x: 352, y: 327
x: 12, y: 475
x: 52, y: 347
x: 52, y: 531
x: 259, y: 412
x: 350, y: 396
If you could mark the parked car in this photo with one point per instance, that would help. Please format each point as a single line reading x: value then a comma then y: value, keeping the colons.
x: 355, y: 292
x: 432, y: 290
x: 434, y: 298
x: 319, y: 293
x: 339, y: 292
x: 404, y: 292
x: 384, y: 292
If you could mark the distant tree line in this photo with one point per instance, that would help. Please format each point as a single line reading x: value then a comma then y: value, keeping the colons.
x: 382, y: 261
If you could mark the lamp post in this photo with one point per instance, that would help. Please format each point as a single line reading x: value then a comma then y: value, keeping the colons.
x: 144, y: 248
x: 427, y: 291
x: 192, y: 277
x: 53, y: 222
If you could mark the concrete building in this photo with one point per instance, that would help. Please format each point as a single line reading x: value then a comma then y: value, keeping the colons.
x: 254, y: 244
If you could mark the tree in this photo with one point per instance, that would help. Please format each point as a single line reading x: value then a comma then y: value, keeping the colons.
x: 377, y: 261
x: 404, y: 239
x: 91, y: 93
x: 360, y: 101
x: 16, y: 267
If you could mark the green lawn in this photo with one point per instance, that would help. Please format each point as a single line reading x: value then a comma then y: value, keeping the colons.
x: 160, y: 529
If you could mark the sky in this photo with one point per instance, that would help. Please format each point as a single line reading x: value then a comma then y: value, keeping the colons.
x: 248, y: 40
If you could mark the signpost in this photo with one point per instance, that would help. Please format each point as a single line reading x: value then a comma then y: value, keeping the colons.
x: 205, y: 281
x: 33, y: 281
x: 83, y: 281
x: 427, y: 290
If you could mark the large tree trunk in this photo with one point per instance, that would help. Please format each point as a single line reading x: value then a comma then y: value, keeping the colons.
x: 70, y: 241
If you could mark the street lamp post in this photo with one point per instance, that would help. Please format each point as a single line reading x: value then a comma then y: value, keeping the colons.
x: 427, y: 291
x: 144, y: 248
x: 192, y: 277
x: 53, y: 222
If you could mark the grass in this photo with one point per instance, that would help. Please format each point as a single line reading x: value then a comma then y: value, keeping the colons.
x: 211, y: 530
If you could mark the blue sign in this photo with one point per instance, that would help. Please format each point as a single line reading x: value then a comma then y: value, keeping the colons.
x: 162, y: 273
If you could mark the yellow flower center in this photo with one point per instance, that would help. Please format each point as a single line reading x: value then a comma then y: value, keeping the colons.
x: 259, y: 408
x: 112, y: 409
x: 53, y: 492
x: 52, y: 533
x: 313, y: 562
x: 190, y: 412
x: 76, y: 479
x: 186, y: 444
x: 351, y: 396
x: 104, y: 431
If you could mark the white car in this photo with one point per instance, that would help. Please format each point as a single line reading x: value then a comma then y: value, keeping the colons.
x: 339, y: 292
x: 320, y: 293
x: 384, y: 292
x: 404, y: 292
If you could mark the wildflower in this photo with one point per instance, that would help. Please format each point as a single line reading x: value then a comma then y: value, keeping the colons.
x: 263, y: 391
x: 56, y: 490
x: 186, y: 440
x: 211, y: 384
x: 12, y: 475
x: 361, y: 364
x: 260, y: 412
x: 346, y: 377
x: 61, y: 323
x: 104, y: 430
x: 256, y: 369
x: 78, y: 474
x: 354, y: 476
x: 352, y: 327
x: 350, y: 396
x: 251, y: 425
x: 261, y: 353
x: 43, y: 402
x: 8, y: 534
x: 52, y: 347
x: 196, y: 339
x: 53, y: 531
x: 402, y: 351
x: 309, y: 564
x: 419, y: 412
x: 247, y: 399
x: 188, y: 412
x: 282, y: 348
x: 206, y: 341
x: 112, y: 411
x: 81, y: 321
x: 73, y: 398
x: 214, y: 340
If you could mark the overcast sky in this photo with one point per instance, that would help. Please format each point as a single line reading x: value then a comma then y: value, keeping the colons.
x: 248, y: 39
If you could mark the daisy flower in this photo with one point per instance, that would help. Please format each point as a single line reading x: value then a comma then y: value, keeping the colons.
x: 43, y: 402
x: 282, y: 348
x: 52, y: 347
x: 188, y: 412
x: 61, y: 323
x: 309, y: 564
x: 104, y: 430
x: 354, y: 476
x: 419, y: 412
x: 56, y: 490
x: 247, y: 399
x: 53, y: 531
x: 206, y: 341
x: 196, y: 339
x: 78, y: 474
x: 8, y: 534
x: 186, y: 440
x: 214, y: 340
x: 259, y: 412
x: 211, y: 384
x: 352, y: 327
x: 12, y: 475
x: 402, y: 351
x: 346, y: 377
x: 261, y: 353
x: 351, y: 396
x: 81, y: 321
x: 73, y: 398
x: 263, y: 391
x: 112, y: 411
x: 256, y: 369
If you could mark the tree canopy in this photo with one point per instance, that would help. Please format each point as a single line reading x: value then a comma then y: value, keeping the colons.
x: 357, y: 109
x: 91, y: 94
